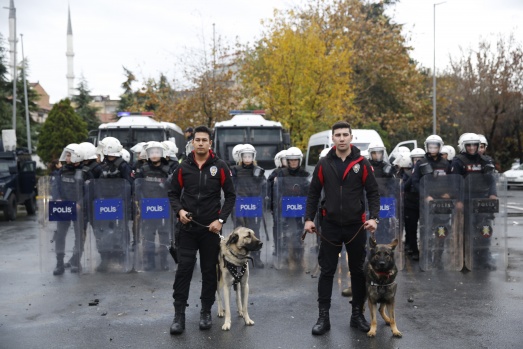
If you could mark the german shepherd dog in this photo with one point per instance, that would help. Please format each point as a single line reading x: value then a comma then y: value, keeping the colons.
x: 380, y: 273
x: 233, y: 269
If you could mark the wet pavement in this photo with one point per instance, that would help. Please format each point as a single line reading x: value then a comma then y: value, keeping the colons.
x: 448, y: 309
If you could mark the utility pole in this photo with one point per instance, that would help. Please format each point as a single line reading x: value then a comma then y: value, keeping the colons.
x: 434, y: 75
x: 12, y: 46
x: 28, y: 125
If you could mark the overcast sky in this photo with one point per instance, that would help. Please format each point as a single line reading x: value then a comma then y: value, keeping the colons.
x: 146, y: 36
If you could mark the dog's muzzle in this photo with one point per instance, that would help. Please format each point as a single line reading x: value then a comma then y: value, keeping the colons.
x: 254, y: 246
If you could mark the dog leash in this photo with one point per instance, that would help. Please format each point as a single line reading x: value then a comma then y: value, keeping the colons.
x: 333, y: 244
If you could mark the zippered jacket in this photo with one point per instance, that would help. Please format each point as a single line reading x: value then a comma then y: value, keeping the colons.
x: 198, y: 190
x: 344, y: 200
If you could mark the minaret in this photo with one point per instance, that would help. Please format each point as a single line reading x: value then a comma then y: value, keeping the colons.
x: 70, y: 54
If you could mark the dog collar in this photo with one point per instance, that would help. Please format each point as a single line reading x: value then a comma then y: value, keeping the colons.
x: 372, y: 283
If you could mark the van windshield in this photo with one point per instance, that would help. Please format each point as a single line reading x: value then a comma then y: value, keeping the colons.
x: 361, y: 146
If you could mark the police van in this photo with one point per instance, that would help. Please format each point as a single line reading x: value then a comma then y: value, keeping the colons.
x: 133, y: 128
x: 268, y: 137
x: 362, y: 138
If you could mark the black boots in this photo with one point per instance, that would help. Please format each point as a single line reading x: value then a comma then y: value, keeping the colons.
x: 104, y: 264
x: 76, y: 267
x: 323, y: 324
x: 60, y: 268
x: 357, y: 319
x: 205, y: 317
x: 178, y: 325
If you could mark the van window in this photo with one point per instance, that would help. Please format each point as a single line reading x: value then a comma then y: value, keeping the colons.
x: 314, y: 154
x: 361, y: 146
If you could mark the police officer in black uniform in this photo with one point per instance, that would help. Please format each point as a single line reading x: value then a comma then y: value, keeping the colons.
x: 346, y: 178
x: 249, y: 181
x: 470, y: 162
x: 69, y: 186
x: 433, y: 164
x: 202, y: 177
x: 280, y: 162
x: 113, y: 166
x: 156, y: 170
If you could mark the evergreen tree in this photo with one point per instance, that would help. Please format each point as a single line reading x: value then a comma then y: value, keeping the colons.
x: 83, y: 106
x: 62, y: 127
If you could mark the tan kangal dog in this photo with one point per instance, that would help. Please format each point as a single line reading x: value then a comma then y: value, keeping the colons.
x: 233, y: 269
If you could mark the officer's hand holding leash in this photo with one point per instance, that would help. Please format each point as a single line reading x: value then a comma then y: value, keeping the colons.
x: 215, y: 227
x: 310, y: 228
x: 371, y: 225
x: 184, y: 218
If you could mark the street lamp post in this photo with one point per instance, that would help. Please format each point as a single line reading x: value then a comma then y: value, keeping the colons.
x: 434, y: 75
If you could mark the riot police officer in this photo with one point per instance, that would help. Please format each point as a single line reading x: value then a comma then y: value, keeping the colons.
x: 432, y: 164
x: 481, y: 184
x: 139, y: 156
x: 69, y: 187
x: 113, y: 167
x: 382, y: 168
x: 155, y: 170
x: 249, y: 181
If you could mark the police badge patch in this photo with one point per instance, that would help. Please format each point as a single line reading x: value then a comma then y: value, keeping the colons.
x: 214, y: 170
x: 441, y: 231
x: 356, y: 168
x: 486, y: 231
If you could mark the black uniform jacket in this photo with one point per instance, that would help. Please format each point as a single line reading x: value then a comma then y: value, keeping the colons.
x: 344, y: 201
x: 202, y: 189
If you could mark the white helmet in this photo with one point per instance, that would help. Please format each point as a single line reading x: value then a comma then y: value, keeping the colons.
x: 126, y: 155
x: 154, y: 149
x: 324, y: 152
x: 137, y: 148
x: 172, y: 149
x: 89, y: 150
x: 76, y: 153
x: 468, y: 138
x: 236, y: 152
x: 449, y: 150
x: 247, y: 149
x: 433, y: 139
x: 403, y: 161
x: 112, y: 147
x: 375, y: 147
x: 294, y: 153
x: 417, y: 153
x: 483, y: 140
x: 279, y: 158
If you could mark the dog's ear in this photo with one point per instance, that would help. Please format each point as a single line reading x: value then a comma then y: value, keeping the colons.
x: 393, y: 244
x: 233, y: 238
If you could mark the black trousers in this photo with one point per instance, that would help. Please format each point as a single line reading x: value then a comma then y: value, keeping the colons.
x: 328, y: 260
x: 411, y: 227
x: 208, y: 244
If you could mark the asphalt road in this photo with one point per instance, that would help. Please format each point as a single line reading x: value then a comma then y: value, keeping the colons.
x: 448, y: 309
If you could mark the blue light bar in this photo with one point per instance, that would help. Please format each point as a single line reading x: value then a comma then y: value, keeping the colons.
x: 123, y: 113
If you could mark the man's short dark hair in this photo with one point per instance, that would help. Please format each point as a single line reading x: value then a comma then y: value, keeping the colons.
x: 203, y: 129
x: 341, y: 124
x: 189, y: 129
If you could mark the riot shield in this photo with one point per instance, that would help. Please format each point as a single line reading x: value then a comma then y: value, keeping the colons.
x: 153, y: 225
x: 249, y: 212
x: 290, y: 198
x: 391, y: 217
x: 110, y: 215
x: 485, y: 222
x: 62, y: 224
x: 441, y: 245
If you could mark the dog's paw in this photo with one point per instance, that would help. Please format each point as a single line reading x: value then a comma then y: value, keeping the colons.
x: 221, y: 313
x: 397, y: 334
x: 240, y: 313
x: 249, y: 322
x: 226, y: 326
x: 371, y: 334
